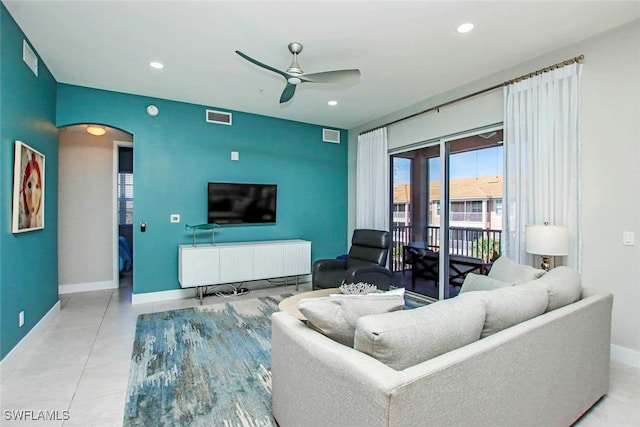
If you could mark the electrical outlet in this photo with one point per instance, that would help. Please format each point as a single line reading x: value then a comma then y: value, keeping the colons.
x: 21, y: 319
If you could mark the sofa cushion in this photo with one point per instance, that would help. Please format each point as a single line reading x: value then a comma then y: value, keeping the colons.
x: 563, y: 285
x: 405, y: 338
x: 336, y: 316
x: 508, y: 271
x: 479, y: 282
x: 511, y: 305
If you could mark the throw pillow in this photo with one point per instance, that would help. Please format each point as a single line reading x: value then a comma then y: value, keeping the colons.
x: 508, y: 271
x: 479, y: 282
x: 563, y: 285
x: 335, y: 316
x: 405, y: 338
x: 511, y: 305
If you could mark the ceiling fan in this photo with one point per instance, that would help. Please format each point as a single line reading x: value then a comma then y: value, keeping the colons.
x: 294, y: 74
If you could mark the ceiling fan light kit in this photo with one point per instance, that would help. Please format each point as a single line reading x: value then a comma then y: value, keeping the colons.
x: 295, y: 76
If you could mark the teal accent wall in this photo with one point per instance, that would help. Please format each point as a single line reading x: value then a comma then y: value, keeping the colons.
x: 28, y: 261
x: 176, y: 153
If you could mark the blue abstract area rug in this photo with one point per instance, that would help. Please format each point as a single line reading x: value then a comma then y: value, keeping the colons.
x: 203, y: 366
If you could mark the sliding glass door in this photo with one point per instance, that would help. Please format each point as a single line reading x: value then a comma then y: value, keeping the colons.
x: 451, y: 187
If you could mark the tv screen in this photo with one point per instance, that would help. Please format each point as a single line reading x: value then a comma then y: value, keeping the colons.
x: 235, y: 203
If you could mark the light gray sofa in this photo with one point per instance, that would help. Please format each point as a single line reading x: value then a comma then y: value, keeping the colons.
x: 545, y: 371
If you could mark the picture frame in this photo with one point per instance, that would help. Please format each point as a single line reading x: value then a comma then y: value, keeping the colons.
x: 28, y: 189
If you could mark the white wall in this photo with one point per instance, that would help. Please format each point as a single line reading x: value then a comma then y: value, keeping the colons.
x: 85, y: 211
x: 610, y: 131
x: 475, y: 113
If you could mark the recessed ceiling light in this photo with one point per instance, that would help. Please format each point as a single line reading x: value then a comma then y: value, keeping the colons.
x: 465, y: 28
x: 332, y: 103
x: 156, y: 65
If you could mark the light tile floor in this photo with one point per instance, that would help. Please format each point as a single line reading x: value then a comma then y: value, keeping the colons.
x: 80, y: 364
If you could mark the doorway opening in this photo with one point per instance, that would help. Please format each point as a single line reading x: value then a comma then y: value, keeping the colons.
x: 124, y: 213
x: 88, y: 252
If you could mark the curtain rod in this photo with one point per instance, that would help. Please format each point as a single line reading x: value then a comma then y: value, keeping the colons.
x: 576, y: 59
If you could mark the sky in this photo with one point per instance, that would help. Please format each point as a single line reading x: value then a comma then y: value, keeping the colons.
x: 470, y: 164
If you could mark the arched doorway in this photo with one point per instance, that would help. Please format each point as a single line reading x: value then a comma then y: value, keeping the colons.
x: 88, y: 226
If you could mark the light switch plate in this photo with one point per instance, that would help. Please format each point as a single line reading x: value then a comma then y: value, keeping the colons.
x: 235, y: 156
x: 628, y: 238
x: 175, y: 218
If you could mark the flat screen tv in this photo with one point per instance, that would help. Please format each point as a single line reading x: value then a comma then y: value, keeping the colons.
x: 236, y: 203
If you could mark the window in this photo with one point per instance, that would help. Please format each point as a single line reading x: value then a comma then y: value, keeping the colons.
x: 498, y: 205
x: 125, y: 198
x: 468, y: 211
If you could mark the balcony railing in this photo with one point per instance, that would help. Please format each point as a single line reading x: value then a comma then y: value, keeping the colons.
x: 470, y: 242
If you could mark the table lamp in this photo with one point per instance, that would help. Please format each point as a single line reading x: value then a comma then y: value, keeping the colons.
x: 547, y: 241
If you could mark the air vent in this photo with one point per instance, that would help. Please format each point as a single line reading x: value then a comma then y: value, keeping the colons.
x: 330, y: 135
x: 29, y: 57
x: 219, y: 117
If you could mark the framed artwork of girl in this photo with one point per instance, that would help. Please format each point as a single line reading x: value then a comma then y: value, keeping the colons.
x: 28, y: 189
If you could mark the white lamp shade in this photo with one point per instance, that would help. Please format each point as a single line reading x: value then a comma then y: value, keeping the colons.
x: 551, y: 240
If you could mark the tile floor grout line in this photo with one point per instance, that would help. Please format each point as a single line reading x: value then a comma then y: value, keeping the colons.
x: 84, y: 367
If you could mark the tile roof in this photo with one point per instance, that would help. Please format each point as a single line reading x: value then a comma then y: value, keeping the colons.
x: 475, y: 188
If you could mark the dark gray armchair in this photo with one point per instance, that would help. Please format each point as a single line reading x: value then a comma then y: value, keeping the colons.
x: 366, y: 262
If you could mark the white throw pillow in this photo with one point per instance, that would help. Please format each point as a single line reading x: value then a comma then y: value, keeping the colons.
x: 511, y: 305
x: 405, y: 338
x: 335, y: 316
x: 479, y: 282
x: 508, y: 271
x: 563, y: 285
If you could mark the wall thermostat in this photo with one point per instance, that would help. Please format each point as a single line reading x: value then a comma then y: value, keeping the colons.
x: 152, y: 110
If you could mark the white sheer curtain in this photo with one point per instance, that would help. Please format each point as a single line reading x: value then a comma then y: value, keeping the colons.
x: 372, y: 181
x: 542, y: 158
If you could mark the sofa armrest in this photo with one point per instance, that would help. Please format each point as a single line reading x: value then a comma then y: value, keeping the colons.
x: 319, y: 382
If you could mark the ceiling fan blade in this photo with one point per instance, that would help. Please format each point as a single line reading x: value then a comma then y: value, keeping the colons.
x: 260, y: 64
x: 332, y: 76
x: 287, y: 93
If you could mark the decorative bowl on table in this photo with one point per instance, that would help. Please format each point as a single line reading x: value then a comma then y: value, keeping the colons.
x: 359, y: 288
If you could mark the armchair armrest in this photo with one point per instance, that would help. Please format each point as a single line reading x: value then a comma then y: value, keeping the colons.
x: 329, y: 264
x: 376, y: 275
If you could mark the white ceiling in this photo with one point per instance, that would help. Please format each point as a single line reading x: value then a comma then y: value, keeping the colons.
x: 406, y: 51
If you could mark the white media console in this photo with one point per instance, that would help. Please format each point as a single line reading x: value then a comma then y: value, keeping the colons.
x: 205, y: 264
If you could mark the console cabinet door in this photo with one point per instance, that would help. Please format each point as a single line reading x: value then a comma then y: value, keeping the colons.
x: 297, y: 258
x: 198, y: 266
x: 268, y: 261
x: 236, y: 263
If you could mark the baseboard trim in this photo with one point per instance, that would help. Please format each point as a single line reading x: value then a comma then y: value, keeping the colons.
x: 625, y: 355
x: 163, y: 296
x: 27, y: 341
x: 86, y: 287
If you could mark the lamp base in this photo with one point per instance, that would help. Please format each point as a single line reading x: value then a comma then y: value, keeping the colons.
x: 546, y: 263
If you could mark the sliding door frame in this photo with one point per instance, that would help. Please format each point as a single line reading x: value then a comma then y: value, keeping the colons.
x: 444, y: 149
